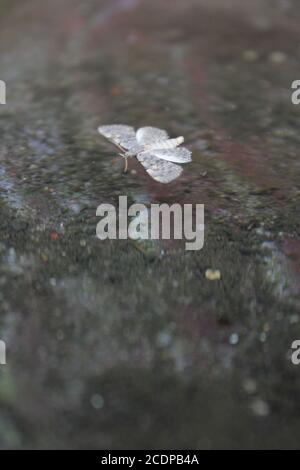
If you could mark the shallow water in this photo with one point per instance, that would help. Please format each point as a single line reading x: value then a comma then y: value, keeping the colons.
x: 114, y: 345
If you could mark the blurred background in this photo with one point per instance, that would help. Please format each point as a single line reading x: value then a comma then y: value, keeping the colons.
x: 123, y: 345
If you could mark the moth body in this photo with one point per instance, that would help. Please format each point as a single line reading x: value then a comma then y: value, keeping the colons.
x: 134, y: 151
x: 166, y: 144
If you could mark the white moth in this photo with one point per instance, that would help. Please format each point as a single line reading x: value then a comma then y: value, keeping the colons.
x: 152, y: 147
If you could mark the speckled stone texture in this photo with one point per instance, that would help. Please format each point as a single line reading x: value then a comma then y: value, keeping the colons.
x: 116, y: 344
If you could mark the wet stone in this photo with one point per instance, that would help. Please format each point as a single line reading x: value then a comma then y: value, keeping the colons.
x: 143, y: 344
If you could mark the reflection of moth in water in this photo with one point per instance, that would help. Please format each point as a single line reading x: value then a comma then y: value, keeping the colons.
x: 152, y: 147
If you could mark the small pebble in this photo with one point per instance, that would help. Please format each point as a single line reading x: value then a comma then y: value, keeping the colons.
x: 234, y: 339
x: 277, y: 57
x: 54, y: 236
x: 97, y: 401
x: 263, y: 337
x: 250, y: 55
x: 213, y: 274
x: 260, y: 407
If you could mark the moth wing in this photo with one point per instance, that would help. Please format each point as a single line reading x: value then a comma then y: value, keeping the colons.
x: 176, y: 155
x: 160, y: 170
x: 119, y: 134
x: 151, y: 135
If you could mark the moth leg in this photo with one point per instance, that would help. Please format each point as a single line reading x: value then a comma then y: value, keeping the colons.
x: 126, y: 164
x: 119, y: 146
